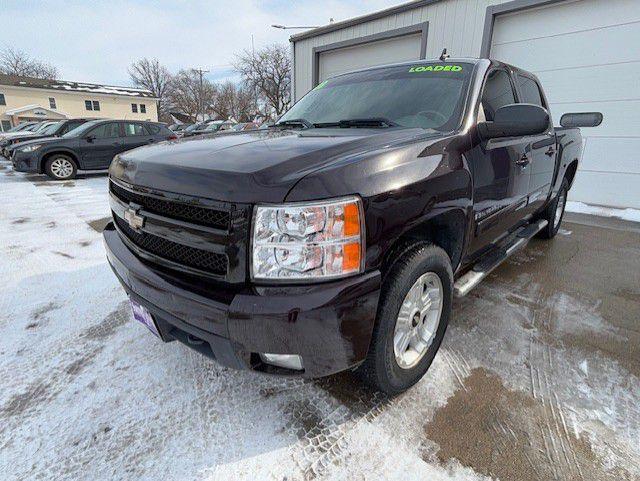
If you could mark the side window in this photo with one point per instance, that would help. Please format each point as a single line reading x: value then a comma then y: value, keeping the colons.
x: 132, y: 130
x: 88, y: 105
x: 154, y: 129
x: 497, y: 93
x: 96, y: 105
x: 52, y: 103
x: 106, y: 131
x: 143, y: 109
x: 529, y: 90
x: 134, y: 108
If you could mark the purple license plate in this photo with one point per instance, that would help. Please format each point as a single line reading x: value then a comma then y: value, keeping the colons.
x: 141, y: 314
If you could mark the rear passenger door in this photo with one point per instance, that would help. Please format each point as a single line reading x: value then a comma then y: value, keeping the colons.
x: 499, y: 168
x: 99, y: 145
x: 543, y: 146
x: 135, y: 135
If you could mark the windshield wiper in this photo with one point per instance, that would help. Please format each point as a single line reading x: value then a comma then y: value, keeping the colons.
x: 305, y: 124
x: 365, y: 122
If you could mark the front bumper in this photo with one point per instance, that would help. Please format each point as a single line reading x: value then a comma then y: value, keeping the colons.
x: 329, y: 325
x: 25, y: 162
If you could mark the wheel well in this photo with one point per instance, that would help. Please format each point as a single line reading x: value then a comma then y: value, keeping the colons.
x: 48, y: 155
x: 447, y: 231
x: 570, y: 173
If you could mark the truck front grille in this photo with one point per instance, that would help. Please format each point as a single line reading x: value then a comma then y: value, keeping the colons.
x: 200, y: 259
x: 209, y: 217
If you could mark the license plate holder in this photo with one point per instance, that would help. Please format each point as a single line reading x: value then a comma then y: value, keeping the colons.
x: 142, y: 315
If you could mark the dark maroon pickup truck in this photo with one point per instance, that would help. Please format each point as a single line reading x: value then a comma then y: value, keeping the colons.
x: 337, y: 238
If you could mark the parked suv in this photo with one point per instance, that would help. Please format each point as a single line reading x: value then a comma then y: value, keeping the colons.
x: 57, y: 129
x: 336, y: 239
x: 91, y: 146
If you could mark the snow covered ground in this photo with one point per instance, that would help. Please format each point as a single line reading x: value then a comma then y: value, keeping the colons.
x: 624, y: 214
x: 537, y: 377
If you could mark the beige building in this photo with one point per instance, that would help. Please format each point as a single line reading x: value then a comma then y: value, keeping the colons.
x: 26, y: 99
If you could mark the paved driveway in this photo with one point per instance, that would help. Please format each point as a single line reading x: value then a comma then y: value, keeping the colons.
x: 538, y: 377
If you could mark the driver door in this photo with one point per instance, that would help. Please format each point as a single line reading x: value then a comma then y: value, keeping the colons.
x: 99, y: 146
x: 500, y: 169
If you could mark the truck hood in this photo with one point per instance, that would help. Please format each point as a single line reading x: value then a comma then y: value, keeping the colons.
x: 250, y: 167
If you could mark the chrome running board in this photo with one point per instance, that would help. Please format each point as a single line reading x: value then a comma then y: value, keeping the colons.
x: 489, y: 262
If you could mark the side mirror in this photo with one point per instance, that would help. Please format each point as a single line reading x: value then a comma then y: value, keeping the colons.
x: 90, y: 138
x: 515, y: 120
x: 581, y: 119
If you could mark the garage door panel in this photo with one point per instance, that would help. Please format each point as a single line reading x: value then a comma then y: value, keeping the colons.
x: 613, y: 189
x: 543, y: 22
x: 619, y: 119
x: 599, y: 83
x: 392, y: 50
x: 602, y: 154
x: 593, y: 47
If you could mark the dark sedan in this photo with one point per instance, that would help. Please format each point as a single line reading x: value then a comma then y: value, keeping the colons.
x: 88, y: 147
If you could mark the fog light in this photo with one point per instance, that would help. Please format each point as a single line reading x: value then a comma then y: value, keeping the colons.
x: 288, y: 361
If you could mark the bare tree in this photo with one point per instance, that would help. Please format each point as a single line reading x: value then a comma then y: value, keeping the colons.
x: 187, y: 95
x: 268, y: 71
x: 17, y: 62
x: 149, y: 74
x: 233, y: 101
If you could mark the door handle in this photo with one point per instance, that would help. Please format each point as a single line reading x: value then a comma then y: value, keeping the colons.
x: 523, y: 161
x: 550, y: 151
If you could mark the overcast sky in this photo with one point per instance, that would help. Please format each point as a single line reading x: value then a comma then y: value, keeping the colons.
x: 95, y: 41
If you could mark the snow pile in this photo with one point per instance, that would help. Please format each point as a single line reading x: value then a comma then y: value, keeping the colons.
x: 582, y: 208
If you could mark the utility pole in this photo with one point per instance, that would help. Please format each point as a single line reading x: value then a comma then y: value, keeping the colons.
x: 200, y: 72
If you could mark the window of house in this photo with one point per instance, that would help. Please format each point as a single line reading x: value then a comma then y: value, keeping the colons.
x: 143, y: 109
x: 88, y: 105
x: 497, y: 93
x: 134, y: 108
x: 132, y: 130
x: 52, y: 103
x: 530, y: 91
x: 2, y: 100
x: 96, y: 105
x: 106, y: 131
x: 6, y: 125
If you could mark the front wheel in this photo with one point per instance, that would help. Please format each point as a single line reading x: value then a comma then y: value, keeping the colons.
x: 414, y: 311
x: 60, y: 167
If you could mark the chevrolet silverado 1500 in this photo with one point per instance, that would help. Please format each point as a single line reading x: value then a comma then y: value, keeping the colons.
x: 337, y: 238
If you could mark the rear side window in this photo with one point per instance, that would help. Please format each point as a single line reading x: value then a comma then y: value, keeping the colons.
x: 106, y: 131
x: 132, y: 130
x: 154, y: 129
x: 497, y: 93
x: 529, y: 91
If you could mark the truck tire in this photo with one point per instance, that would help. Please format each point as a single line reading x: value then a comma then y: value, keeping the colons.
x: 413, y: 314
x: 60, y: 167
x: 555, y: 212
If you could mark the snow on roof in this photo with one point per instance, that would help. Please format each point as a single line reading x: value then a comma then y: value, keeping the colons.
x: 14, y: 80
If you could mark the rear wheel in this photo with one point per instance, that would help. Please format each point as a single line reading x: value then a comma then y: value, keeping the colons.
x: 555, y: 212
x: 414, y: 311
x: 60, y: 167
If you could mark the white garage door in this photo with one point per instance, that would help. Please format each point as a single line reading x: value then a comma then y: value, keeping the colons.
x: 587, y: 56
x: 369, y: 54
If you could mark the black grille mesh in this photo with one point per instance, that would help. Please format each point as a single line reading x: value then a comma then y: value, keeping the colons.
x: 176, y: 210
x: 185, y: 255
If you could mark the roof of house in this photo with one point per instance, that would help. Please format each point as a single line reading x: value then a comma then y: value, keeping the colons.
x: 63, y: 85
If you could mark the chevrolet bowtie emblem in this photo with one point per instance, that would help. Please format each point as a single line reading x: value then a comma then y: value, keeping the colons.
x: 135, y: 220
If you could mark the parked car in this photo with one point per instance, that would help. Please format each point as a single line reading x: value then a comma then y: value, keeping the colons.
x: 88, y: 147
x: 244, y: 126
x: 178, y: 127
x: 212, y: 127
x: 188, y: 132
x: 336, y: 239
x: 21, y: 126
x: 57, y: 129
x: 30, y: 127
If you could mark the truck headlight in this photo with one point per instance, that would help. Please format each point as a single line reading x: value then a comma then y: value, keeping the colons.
x: 30, y: 148
x: 309, y: 240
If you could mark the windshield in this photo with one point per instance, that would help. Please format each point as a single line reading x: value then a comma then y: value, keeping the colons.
x: 78, y: 131
x: 42, y: 127
x: 425, y: 95
x: 50, y: 129
x: 193, y: 127
x: 19, y: 127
